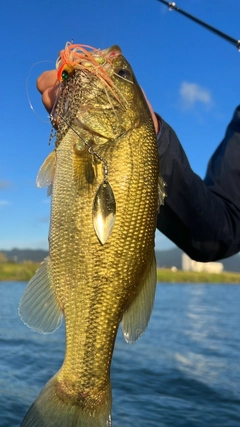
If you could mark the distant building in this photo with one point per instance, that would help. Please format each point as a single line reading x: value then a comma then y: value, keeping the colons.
x: 189, y: 264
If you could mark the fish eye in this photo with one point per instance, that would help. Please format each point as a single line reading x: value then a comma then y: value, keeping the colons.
x: 124, y: 73
x: 65, y: 75
x: 65, y: 72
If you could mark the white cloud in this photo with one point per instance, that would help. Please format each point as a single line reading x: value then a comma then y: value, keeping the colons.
x: 4, y: 184
x: 44, y: 219
x: 46, y: 201
x: 191, y: 93
x: 4, y: 203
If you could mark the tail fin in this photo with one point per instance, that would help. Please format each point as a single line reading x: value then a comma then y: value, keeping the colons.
x: 49, y: 410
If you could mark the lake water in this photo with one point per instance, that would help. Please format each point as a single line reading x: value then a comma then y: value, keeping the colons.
x: 184, y: 371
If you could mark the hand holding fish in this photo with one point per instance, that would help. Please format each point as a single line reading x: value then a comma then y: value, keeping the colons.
x: 47, y: 84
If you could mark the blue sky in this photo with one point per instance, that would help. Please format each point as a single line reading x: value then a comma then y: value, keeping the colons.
x: 190, y: 76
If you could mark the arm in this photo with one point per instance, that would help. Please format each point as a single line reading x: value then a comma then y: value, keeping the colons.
x: 202, y: 216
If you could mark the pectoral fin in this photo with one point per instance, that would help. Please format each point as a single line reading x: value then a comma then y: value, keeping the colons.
x: 46, y: 172
x: 161, y: 191
x: 38, y: 307
x: 136, y: 317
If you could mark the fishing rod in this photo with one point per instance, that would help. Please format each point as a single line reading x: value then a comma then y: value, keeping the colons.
x: 172, y: 6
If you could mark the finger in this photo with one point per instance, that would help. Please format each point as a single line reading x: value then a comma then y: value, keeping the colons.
x: 49, y: 96
x: 46, y: 80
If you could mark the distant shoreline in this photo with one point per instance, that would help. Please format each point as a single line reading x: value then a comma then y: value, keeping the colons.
x: 23, y: 272
x: 17, y: 272
x: 180, y: 276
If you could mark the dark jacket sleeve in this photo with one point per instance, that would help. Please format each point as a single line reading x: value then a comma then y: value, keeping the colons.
x: 202, y: 217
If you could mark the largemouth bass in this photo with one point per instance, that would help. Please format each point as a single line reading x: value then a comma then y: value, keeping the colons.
x: 101, y: 270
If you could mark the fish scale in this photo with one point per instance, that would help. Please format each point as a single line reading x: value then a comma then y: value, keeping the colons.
x: 96, y: 284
